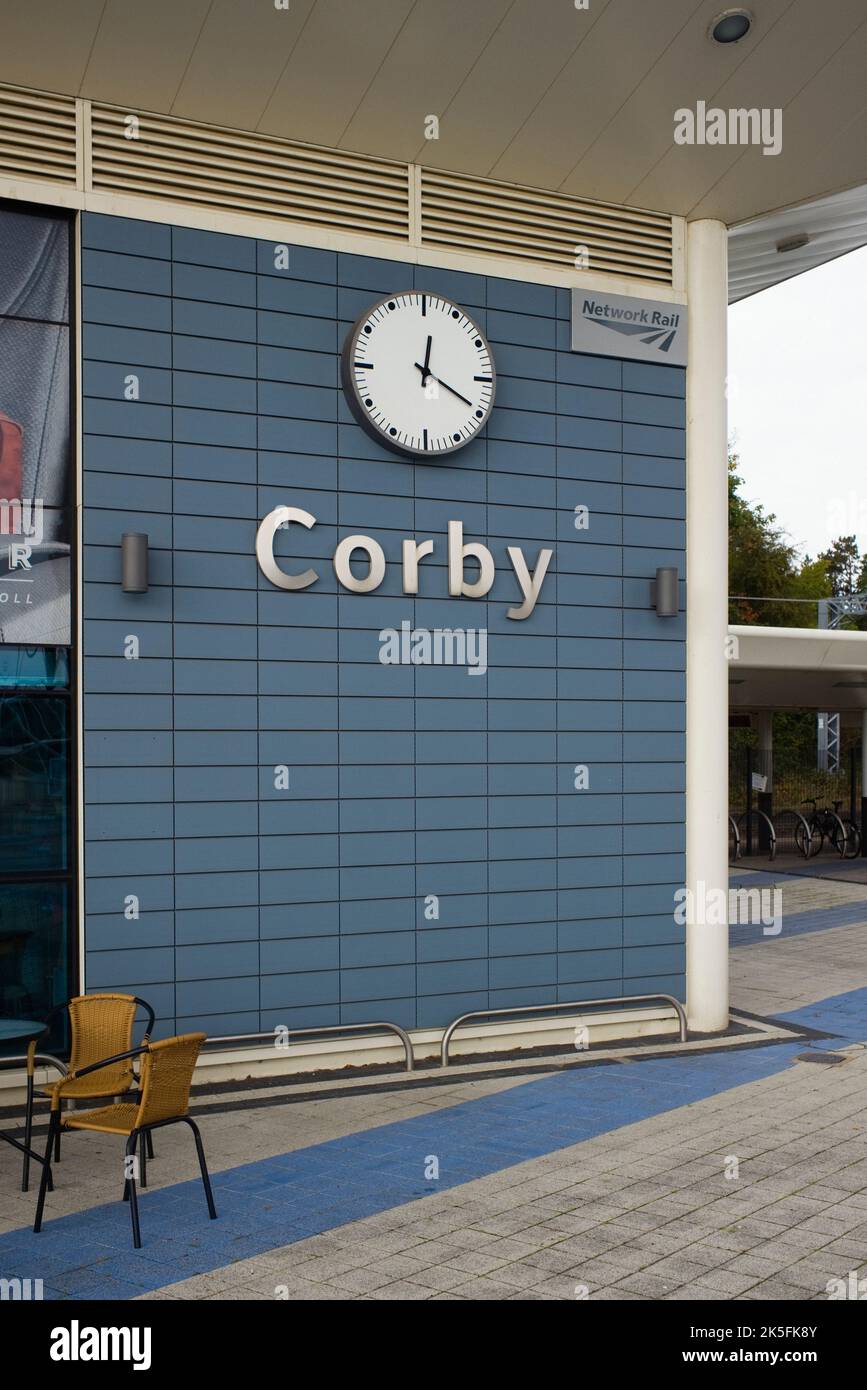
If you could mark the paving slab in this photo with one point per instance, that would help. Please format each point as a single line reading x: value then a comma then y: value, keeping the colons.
x: 605, y: 1182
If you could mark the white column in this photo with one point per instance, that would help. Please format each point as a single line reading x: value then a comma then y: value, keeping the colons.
x: 707, y: 965
x: 765, y: 731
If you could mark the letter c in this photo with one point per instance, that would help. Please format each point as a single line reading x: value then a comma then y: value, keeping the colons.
x: 265, y: 548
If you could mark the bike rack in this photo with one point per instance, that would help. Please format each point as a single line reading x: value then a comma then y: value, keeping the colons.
x: 772, y: 834
x: 737, y: 834
x: 827, y: 814
x: 843, y: 833
x: 577, y: 1004
x: 322, y: 1032
x: 808, y: 834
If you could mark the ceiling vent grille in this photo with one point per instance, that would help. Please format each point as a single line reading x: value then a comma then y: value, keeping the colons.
x: 184, y: 162
x: 37, y: 135
x: 527, y: 224
x: 44, y: 137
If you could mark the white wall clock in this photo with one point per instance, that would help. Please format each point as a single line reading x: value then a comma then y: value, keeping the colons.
x: 418, y: 374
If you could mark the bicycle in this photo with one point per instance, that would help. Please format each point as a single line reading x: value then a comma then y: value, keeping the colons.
x: 827, y: 824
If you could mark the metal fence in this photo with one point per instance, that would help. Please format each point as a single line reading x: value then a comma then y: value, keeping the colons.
x: 785, y: 781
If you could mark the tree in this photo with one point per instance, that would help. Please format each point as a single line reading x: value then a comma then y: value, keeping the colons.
x: 763, y: 564
x: 844, y: 565
x: 769, y: 582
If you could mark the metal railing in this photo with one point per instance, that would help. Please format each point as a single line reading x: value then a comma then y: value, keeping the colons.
x: 574, y: 1005
x: 842, y: 606
x: 333, y: 1028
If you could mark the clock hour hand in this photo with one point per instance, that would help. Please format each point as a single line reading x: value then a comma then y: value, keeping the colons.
x: 426, y: 374
x: 425, y: 371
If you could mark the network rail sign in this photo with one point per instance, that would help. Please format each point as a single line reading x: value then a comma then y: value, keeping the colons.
x: 619, y: 325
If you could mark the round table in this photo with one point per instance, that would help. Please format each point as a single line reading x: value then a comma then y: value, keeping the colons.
x: 20, y: 1030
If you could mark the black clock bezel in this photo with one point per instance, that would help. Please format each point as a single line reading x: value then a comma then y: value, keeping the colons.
x: 351, y: 394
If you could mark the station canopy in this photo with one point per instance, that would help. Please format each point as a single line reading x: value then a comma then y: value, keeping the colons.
x: 798, y: 668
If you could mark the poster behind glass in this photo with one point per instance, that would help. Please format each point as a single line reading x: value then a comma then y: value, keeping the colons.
x: 35, y: 437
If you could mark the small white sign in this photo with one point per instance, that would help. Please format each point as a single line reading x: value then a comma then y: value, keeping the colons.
x: 760, y: 783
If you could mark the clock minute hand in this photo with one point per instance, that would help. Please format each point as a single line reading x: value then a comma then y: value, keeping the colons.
x: 454, y: 392
x: 426, y: 368
x: 425, y: 375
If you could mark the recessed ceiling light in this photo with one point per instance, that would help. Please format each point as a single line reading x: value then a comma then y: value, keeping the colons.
x: 731, y: 26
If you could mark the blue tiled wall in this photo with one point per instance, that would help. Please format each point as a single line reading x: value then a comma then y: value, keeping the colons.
x: 306, y: 906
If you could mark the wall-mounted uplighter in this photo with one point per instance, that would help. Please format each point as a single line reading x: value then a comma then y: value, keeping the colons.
x: 664, y: 593
x: 134, y: 562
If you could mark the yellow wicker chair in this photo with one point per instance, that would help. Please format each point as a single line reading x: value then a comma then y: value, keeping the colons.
x: 166, y: 1074
x: 100, y: 1025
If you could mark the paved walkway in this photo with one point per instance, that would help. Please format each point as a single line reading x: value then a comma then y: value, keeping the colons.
x: 739, y: 1173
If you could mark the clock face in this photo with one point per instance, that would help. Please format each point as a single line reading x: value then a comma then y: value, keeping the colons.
x: 418, y: 374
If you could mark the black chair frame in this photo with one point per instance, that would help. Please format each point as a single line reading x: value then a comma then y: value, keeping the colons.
x: 130, y: 1193
x: 31, y: 1089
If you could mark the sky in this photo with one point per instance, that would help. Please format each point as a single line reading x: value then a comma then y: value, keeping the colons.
x: 798, y: 401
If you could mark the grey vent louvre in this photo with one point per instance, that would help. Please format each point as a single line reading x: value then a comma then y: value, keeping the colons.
x: 528, y: 224
x: 37, y: 135
x: 212, y: 167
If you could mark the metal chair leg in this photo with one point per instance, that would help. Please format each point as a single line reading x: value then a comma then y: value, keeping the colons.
x: 150, y: 1143
x: 206, y: 1181
x: 126, y: 1179
x: 143, y: 1160
x: 28, y: 1132
x: 53, y: 1126
x: 133, y: 1196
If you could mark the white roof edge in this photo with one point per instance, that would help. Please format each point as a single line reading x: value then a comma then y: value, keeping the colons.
x: 798, y: 650
x: 833, y: 225
x: 797, y: 634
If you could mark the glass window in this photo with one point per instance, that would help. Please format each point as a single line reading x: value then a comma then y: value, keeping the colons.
x: 34, y: 951
x: 34, y: 794
x: 34, y: 253
x: 34, y: 404
x: 38, y: 902
x: 36, y: 473
x: 34, y: 667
